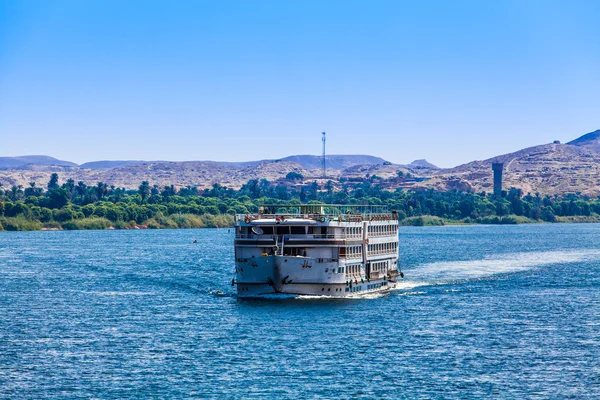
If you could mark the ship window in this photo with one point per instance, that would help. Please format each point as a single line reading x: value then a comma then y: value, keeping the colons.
x: 298, y: 230
x: 282, y: 230
x: 267, y: 230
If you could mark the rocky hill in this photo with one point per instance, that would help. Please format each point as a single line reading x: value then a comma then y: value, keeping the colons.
x: 589, y: 141
x: 180, y: 174
x: 552, y: 168
x: 334, y: 162
x: 19, y: 162
x: 130, y: 174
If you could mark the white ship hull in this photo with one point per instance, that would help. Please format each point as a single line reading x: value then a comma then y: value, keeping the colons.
x: 342, y: 255
x: 273, y: 275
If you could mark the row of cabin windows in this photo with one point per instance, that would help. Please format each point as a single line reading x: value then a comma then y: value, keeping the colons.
x: 381, y: 266
x: 354, y: 231
x: 353, y: 269
x: 379, y: 248
x: 376, y: 285
x: 354, y: 251
x: 382, y: 230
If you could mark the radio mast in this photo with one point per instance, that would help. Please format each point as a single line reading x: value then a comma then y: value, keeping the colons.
x: 324, y: 161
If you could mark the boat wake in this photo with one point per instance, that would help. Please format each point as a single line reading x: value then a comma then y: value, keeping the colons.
x: 450, y: 271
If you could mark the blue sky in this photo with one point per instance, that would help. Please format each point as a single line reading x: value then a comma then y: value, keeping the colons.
x: 450, y: 81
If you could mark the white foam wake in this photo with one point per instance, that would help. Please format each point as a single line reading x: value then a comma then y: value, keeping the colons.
x: 444, y: 271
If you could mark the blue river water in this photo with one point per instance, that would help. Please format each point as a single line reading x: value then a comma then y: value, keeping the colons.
x: 484, y: 312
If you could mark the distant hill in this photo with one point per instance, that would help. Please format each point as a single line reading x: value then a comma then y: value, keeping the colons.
x: 108, y: 164
x: 589, y: 141
x: 18, y: 162
x: 552, y: 168
x: 421, y: 164
x: 334, y: 162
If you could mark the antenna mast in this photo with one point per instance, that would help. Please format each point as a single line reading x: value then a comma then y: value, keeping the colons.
x: 323, y: 161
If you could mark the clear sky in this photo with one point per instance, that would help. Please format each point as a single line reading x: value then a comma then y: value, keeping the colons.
x: 449, y: 81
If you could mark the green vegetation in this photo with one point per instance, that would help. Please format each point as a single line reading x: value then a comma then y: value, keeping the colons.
x: 79, y: 206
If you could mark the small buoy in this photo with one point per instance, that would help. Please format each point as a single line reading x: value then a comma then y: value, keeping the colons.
x: 195, y: 240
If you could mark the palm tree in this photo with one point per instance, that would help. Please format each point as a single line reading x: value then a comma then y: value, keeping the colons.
x: 16, y: 191
x: 81, y: 187
x: 31, y: 190
x: 101, y: 190
x: 144, y: 191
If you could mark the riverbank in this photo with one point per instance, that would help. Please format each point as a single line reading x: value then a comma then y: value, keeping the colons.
x: 187, y: 221
x: 429, y: 220
x: 175, y: 221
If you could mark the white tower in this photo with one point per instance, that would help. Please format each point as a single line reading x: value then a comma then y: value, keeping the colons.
x: 323, y: 160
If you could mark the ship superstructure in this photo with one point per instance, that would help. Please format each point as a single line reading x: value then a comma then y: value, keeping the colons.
x: 316, y: 249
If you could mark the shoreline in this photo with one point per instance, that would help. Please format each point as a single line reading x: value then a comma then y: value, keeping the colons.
x: 419, y: 221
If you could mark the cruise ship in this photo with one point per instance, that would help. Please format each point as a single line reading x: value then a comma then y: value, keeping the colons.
x: 316, y: 249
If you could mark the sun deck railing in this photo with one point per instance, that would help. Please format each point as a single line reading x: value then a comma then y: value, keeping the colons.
x: 282, y: 217
x: 287, y: 237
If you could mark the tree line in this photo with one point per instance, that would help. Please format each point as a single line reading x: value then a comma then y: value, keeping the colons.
x: 76, y: 205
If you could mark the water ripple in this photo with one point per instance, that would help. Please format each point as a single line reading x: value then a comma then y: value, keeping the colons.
x: 502, y: 312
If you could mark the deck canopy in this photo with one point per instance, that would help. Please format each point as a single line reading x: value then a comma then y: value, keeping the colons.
x: 322, y: 209
x: 290, y: 221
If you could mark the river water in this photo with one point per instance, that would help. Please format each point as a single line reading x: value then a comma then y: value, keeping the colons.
x: 484, y: 311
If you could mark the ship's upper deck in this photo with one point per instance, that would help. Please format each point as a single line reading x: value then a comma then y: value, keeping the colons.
x: 305, y: 214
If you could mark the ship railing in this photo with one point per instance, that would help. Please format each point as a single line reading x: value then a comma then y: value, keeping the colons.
x: 353, y: 236
x: 379, y: 234
x: 291, y: 237
x: 379, y: 252
x: 314, y: 217
x: 376, y: 275
x: 335, y: 216
x: 251, y: 236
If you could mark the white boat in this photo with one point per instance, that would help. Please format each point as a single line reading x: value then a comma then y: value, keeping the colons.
x: 320, y: 250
